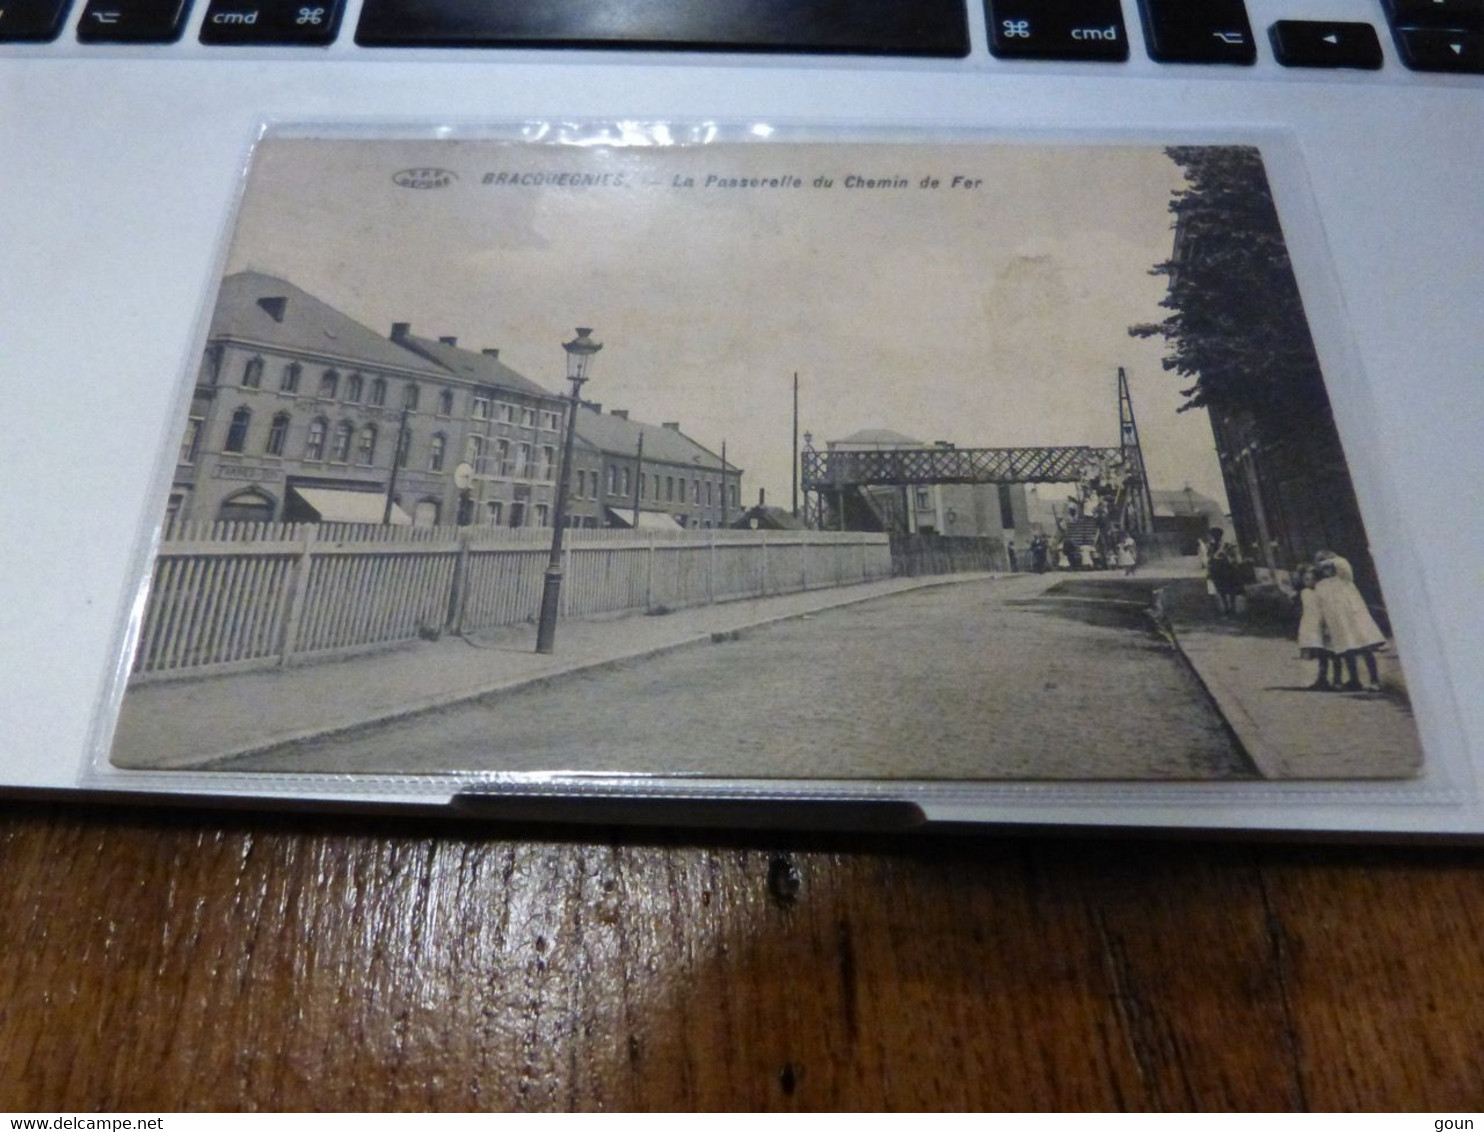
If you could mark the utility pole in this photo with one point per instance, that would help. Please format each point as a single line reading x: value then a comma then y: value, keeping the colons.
x: 391, y: 483
x: 723, y: 485
x: 638, y: 478
x: 795, y: 448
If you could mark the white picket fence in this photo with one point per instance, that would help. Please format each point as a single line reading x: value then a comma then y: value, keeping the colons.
x: 263, y: 594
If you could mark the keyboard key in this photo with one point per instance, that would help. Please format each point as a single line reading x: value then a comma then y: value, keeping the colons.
x: 132, y: 21
x: 1311, y: 43
x: 1198, y: 31
x: 1057, y: 29
x: 33, y: 21
x: 1436, y: 13
x: 1429, y: 49
x: 870, y: 27
x: 261, y: 23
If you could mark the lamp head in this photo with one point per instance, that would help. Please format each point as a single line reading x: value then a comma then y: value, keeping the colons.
x: 580, y: 353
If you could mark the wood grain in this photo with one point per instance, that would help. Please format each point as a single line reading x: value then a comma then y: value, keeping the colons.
x: 154, y: 960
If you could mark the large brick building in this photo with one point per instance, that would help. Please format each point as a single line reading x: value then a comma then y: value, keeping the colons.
x: 297, y: 411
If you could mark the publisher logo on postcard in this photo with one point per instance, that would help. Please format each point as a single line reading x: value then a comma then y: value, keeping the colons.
x: 424, y: 178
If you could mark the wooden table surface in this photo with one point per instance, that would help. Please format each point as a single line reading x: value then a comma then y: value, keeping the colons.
x: 158, y: 960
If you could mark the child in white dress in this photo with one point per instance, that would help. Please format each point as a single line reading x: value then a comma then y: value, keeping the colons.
x: 1313, y: 637
x: 1353, y: 632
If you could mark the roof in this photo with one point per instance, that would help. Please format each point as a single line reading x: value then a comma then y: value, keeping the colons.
x: 471, y: 365
x: 620, y: 437
x: 770, y: 517
x: 1184, y: 503
x: 245, y: 310
x: 880, y: 436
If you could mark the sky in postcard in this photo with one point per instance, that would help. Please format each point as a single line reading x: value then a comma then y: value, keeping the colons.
x: 987, y: 314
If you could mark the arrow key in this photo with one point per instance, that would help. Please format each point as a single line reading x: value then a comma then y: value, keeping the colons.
x: 1428, y: 49
x: 1315, y: 43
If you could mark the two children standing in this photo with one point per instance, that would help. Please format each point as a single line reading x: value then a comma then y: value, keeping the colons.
x: 1336, y: 626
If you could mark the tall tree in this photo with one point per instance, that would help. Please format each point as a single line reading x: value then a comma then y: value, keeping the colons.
x: 1237, y: 328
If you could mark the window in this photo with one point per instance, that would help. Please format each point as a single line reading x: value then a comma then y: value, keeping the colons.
x: 329, y: 384
x: 517, y: 514
x: 378, y: 392
x: 211, y: 365
x: 506, y: 413
x: 550, y: 420
x: 404, y: 443
x: 643, y: 479
x: 523, y: 461
x: 445, y: 403
x: 278, y: 433
x: 548, y: 462
x: 314, y: 443
x: 479, y: 407
x: 289, y: 382
x: 252, y: 374
x: 528, y: 417
x: 340, y: 449
x: 612, y: 480
x: 410, y: 395
x: 190, y: 443
x: 366, y: 449
x: 353, y: 387
x: 237, y: 431
x: 924, y: 499
x: 541, y: 510
x: 695, y: 491
x: 581, y: 489
x: 246, y: 507
x: 733, y: 486
x: 474, y: 452
x: 628, y: 483
x: 435, y: 452
x: 492, y: 512
x: 708, y: 493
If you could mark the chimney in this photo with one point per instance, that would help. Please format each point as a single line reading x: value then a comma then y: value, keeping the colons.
x: 448, y: 340
x: 491, y: 352
x: 621, y: 414
x: 595, y: 406
x: 762, y: 497
x: 673, y: 426
x: 401, y: 330
x: 275, y: 305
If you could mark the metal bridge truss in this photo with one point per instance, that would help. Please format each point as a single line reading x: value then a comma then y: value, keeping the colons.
x: 828, y: 471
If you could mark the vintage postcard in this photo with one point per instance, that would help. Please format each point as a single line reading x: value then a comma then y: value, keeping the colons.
x: 763, y: 460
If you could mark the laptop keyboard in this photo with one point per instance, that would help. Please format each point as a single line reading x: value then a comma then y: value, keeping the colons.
x: 1430, y: 35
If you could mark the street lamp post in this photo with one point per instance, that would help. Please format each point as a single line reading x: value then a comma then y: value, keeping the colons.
x: 580, y: 353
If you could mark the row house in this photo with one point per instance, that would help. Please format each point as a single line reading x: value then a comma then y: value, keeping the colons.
x: 300, y: 413
x: 512, y: 442
x: 675, y: 482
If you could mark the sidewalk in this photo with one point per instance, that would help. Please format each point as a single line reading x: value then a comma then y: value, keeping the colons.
x: 1250, y: 665
x: 197, y: 722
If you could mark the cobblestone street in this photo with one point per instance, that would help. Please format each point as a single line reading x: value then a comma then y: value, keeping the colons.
x: 1020, y: 677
